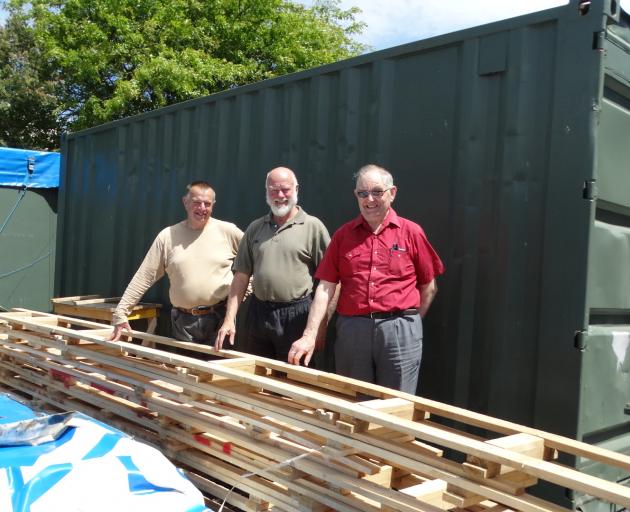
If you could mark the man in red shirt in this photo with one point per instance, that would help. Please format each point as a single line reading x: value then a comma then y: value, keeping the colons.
x: 387, y: 269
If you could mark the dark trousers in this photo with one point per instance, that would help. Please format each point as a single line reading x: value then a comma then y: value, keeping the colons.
x: 272, y: 327
x: 197, y: 328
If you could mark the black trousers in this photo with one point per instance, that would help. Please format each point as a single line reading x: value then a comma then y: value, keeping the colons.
x: 272, y: 327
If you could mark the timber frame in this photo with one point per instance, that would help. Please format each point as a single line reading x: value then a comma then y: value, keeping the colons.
x: 287, y: 437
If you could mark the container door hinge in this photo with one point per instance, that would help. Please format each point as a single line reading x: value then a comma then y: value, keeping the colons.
x: 580, y: 339
x: 589, y: 191
x: 626, y: 409
x: 599, y: 39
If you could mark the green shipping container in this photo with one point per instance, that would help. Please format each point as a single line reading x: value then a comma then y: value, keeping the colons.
x: 510, y: 145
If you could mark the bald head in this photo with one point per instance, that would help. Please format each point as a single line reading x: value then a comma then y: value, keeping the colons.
x: 283, y: 174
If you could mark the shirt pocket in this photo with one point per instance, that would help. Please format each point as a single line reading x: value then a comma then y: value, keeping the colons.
x: 400, y: 263
x: 354, y: 261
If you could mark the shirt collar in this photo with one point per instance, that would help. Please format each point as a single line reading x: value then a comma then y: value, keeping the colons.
x: 390, y: 218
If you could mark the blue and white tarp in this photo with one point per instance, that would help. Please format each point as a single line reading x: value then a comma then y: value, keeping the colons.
x: 27, y: 168
x: 89, y: 466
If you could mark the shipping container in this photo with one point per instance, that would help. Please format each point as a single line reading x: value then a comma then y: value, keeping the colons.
x: 510, y: 145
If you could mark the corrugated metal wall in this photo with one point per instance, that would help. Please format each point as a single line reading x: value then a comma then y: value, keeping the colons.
x: 490, y: 134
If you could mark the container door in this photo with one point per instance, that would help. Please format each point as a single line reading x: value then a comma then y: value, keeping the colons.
x: 605, y: 384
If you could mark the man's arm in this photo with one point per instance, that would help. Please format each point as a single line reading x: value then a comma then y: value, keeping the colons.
x: 320, y: 339
x: 235, y: 297
x: 305, y: 346
x: 427, y: 294
x: 151, y: 269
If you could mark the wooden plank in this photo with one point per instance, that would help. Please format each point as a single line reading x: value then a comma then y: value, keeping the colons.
x: 73, y: 298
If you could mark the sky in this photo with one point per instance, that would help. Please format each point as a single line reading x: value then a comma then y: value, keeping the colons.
x: 393, y: 22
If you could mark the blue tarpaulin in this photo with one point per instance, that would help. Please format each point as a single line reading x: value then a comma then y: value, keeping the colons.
x: 27, y: 168
x: 83, y: 464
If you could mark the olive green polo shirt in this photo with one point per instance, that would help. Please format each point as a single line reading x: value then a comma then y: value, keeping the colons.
x: 282, y: 259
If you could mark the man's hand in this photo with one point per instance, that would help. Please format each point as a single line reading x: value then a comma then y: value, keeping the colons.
x: 227, y: 329
x: 235, y: 297
x: 302, y: 348
x: 118, y: 329
x: 315, y: 330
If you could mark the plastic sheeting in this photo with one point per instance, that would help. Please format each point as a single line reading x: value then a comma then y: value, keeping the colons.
x: 89, y: 466
x: 27, y: 168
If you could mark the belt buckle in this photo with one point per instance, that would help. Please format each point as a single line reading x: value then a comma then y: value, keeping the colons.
x: 198, y: 311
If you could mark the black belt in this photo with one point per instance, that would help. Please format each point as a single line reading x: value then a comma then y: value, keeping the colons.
x: 379, y: 315
x: 203, y: 310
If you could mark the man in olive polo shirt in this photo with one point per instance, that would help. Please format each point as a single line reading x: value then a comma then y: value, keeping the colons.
x: 281, y: 251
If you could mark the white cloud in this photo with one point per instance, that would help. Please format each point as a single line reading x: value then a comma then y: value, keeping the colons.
x: 393, y: 22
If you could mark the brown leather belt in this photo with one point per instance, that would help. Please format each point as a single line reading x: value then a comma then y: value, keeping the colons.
x: 378, y: 315
x: 203, y: 310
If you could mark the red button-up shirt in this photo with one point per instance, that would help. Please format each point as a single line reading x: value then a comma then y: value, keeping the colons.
x: 381, y: 272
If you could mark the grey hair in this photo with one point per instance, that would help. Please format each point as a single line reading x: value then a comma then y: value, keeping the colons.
x: 388, y: 179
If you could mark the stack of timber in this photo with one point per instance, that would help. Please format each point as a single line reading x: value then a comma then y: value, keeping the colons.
x: 290, y: 438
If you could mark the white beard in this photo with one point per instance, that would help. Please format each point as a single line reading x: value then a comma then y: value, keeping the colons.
x: 282, y: 210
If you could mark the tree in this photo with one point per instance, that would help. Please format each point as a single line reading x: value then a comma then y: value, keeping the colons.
x: 27, y: 97
x: 109, y: 59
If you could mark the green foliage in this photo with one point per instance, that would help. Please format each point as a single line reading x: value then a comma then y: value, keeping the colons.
x: 27, y: 96
x: 109, y: 59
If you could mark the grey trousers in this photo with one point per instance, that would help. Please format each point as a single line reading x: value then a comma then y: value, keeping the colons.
x: 380, y: 351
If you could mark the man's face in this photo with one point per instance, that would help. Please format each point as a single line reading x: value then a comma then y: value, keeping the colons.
x: 282, y: 195
x: 374, y: 208
x: 198, y: 204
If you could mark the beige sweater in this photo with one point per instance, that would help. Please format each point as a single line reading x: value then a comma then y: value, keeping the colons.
x: 198, y: 264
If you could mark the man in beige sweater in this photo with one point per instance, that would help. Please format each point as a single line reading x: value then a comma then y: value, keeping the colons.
x: 197, y: 255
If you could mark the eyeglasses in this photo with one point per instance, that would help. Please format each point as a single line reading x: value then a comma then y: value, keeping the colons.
x: 364, y: 194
